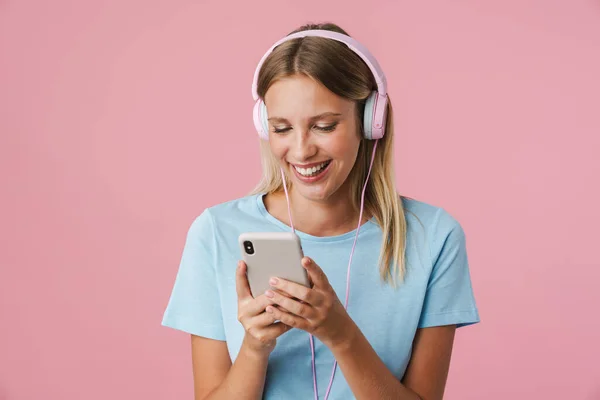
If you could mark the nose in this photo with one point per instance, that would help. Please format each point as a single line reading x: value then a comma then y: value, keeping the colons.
x: 303, y: 146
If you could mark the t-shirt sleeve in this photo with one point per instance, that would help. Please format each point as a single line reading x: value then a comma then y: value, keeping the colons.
x: 194, y: 306
x: 449, y: 299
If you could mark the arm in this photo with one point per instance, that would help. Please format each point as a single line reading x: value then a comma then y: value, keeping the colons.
x: 214, y: 375
x: 449, y: 289
x: 216, y: 378
x: 430, y: 361
x: 194, y: 307
x: 425, y: 378
x: 320, y: 313
x: 210, y: 365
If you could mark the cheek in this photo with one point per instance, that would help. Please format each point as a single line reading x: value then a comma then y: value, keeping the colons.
x: 277, y: 148
x: 345, y: 149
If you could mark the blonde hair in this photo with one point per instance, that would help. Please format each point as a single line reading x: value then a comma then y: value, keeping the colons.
x: 344, y: 73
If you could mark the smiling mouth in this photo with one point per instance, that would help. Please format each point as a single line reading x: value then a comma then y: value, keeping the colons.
x: 312, y: 171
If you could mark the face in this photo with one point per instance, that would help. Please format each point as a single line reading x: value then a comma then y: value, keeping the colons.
x: 313, y: 133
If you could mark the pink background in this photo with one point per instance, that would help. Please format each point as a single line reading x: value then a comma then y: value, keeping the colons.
x: 120, y: 121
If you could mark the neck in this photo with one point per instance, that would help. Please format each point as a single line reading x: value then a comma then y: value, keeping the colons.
x: 331, y: 217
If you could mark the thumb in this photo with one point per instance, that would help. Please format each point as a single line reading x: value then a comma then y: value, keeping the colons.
x: 241, y: 282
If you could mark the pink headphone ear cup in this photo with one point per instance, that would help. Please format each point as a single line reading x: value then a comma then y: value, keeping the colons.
x: 259, y: 115
x: 375, y: 115
x: 368, y: 116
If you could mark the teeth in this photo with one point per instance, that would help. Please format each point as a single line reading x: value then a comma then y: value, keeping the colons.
x: 311, y: 171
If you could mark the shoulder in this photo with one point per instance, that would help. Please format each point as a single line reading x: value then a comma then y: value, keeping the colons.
x: 232, y: 212
x: 237, y: 211
x: 231, y: 208
x: 436, y: 222
x: 430, y: 215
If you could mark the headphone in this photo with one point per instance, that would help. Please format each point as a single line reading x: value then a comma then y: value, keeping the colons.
x: 374, y: 120
x: 375, y: 113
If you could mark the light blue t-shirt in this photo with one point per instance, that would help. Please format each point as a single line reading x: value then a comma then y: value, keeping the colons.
x: 436, y: 291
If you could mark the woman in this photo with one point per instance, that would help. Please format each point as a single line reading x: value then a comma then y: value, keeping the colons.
x: 410, y: 285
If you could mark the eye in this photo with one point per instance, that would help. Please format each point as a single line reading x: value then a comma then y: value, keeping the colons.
x: 327, y: 128
x: 280, y: 130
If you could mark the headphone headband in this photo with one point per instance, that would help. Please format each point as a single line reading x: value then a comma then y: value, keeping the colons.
x: 354, y: 45
x: 375, y: 111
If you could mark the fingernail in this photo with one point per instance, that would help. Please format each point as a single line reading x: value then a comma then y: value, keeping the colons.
x: 270, y: 310
x: 273, y: 281
x: 268, y: 293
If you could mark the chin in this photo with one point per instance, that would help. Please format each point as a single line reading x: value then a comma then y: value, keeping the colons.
x: 317, y: 192
x: 314, y: 195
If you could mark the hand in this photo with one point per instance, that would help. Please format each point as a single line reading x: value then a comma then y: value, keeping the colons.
x: 317, y: 310
x: 261, y: 329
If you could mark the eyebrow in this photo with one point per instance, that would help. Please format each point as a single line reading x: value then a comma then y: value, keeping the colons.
x: 316, y: 117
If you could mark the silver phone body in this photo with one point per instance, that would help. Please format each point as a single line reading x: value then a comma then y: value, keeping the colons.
x: 276, y: 254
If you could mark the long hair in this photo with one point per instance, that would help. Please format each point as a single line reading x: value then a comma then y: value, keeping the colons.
x: 344, y: 73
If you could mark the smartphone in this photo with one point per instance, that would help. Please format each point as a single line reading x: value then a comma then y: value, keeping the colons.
x: 272, y: 254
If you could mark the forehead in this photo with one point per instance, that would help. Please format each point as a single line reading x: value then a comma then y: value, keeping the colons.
x: 301, y: 96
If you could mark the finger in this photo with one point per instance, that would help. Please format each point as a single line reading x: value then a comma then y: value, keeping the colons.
x: 290, y: 289
x: 281, y: 308
x: 277, y: 305
x: 300, y: 309
x: 242, y: 287
x: 281, y: 292
x: 315, y: 273
x: 261, y: 320
x: 291, y: 320
x: 295, y: 291
x: 257, y: 305
x: 275, y: 330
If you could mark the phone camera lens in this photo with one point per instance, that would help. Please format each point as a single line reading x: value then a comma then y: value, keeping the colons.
x: 248, y: 247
